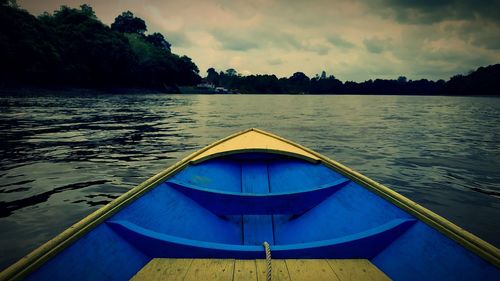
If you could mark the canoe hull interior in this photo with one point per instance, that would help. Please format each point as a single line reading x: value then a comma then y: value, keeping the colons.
x: 227, y: 207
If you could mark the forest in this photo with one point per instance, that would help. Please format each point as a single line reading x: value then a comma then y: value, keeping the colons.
x: 72, y: 48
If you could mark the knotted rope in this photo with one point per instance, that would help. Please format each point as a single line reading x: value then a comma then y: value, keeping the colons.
x: 268, y: 260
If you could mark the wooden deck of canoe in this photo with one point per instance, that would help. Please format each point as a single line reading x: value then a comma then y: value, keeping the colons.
x: 231, y: 269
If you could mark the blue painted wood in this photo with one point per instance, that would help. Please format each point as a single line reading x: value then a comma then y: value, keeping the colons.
x: 257, y: 229
x: 254, y: 180
x: 366, y: 244
x: 350, y: 210
x: 219, y: 174
x: 254, y: 177
x: 422, y: 253
x: 289, y: 175
x: 230, y: 203
x: 99, y: 255
x: 168, y: 211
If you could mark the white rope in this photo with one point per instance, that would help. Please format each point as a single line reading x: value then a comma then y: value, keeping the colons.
x: 268, y: 260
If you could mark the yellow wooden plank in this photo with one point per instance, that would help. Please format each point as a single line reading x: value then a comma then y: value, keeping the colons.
x: 289, y: 270
x: 310, y: 270
x: 164, y: 269
x: 359, y: 269
x: 210, y: 269
x: 255, y: 140
x: 279, y: 270
x: 245, y: 270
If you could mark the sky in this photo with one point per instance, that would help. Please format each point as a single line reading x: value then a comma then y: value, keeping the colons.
x: 352, y: 40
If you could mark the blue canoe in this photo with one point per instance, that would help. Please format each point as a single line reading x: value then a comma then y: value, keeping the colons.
x: 224, y: 201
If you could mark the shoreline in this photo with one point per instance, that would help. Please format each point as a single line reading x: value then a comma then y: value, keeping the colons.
x: 41, y: 91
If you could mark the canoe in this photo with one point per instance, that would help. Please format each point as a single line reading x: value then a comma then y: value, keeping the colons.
x: 225, y: 200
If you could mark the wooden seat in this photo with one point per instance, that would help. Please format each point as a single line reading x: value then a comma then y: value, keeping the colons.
x: 231, y: 269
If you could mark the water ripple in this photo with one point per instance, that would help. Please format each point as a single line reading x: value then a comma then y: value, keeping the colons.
x: 7, y: 208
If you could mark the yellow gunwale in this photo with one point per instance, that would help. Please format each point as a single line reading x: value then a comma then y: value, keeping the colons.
x: 36, y: 258
x: 254, y: 140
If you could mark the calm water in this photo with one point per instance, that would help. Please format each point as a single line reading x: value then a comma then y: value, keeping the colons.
x: 63, y: 157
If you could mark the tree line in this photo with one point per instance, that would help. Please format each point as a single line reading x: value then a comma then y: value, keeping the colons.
x: 483, y: 81
x: 72, y: 47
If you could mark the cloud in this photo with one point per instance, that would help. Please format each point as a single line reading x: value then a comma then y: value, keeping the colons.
x: 237, y: 44
x: 235, y: 41
x: 178, y: 39
x: 353, y: 40
x: 376, y: 45
x: 320, y: 50
x: 340, y: 42
x: 276, y: 61
x: 264, y: 38
x: 479, y: 33
x: 316, y: 47
x: 434, y: 11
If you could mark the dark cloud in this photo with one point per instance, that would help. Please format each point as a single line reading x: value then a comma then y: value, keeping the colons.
x: 235, y: 41
x: 178, y: 39
x: 433, y: 11
x: 478, y: 33
x: 445, y: 69
x: 239, y: 45
x: 340, y: 42
x: 376, y: 45
x: 281, y: 39
x: 315, y: 47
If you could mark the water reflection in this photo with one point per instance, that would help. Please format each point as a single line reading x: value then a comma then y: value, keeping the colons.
x: 7, y: 208
x: 64, y: 156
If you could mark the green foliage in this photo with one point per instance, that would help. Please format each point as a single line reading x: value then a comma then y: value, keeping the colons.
x: 71, y: 47
x: 127, y: 23
x: 213, y: 76
x: 483, y: 81
x: 159, y: 41
x: 91, y: 53
x: 188, y: 72
x: 159, y: 67
x: 26, y: 52
x: 231, y: 72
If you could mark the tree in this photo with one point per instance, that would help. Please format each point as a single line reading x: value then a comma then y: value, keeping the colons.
x: 298, y: 83
x: 92, y: 54
x: 10, y: 3
x: 299, y: 77
x: 26, y: 53
x: 231, y: 72
x: 187, y: 71
x: 72, y: 47
x: 88, y: 11
x: 482, y: 81
x: 159, y: 41
x: 212, y: 76
x: 323, y: 75
x: 127, y: 23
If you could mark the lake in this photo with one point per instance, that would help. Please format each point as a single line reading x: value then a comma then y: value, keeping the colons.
x: 64, y: 156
